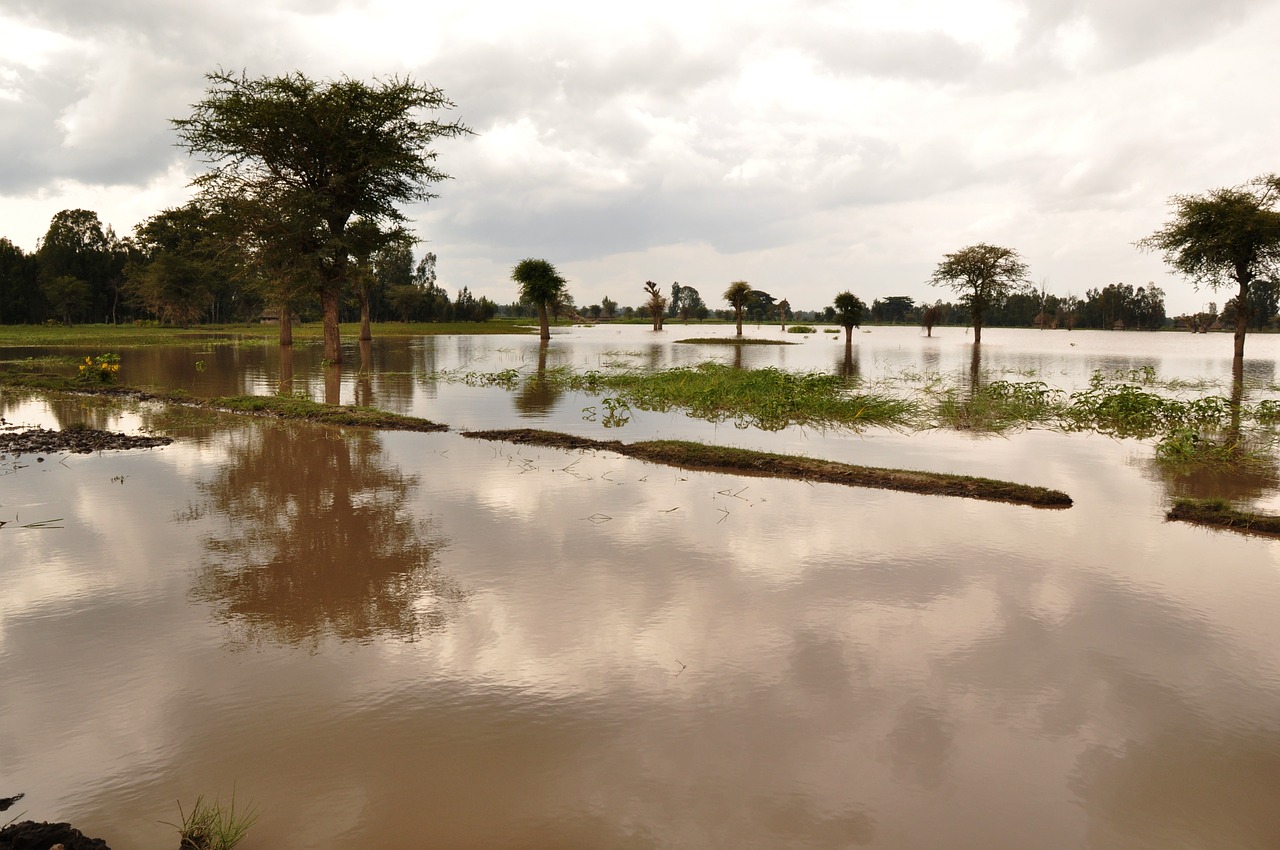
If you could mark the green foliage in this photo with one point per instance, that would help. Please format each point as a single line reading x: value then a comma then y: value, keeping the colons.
x: 849, y: 311
x: 212, y: 826
x: 801, y: 329
x: 1222, y: 236
x: 99, y: 370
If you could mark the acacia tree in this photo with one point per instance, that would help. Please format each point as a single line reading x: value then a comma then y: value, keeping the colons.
x: 1224, y: 236
x: 540, y: 285
x: 739, y: 295
x: 984, y: 275
x: 302, y: 159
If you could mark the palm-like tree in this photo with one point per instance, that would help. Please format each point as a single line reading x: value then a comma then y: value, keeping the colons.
x: 739, y: 296
x: 849, y: 310
x: 540, y: 284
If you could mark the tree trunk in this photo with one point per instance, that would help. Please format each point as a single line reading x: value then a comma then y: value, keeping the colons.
x: 848, y: 336
x: 1242, y: 314
x: 543, y: 325
x: 365, y: 333
x: 332, y: 337
x: 286, y: 326
x: 738, y: 315
x: 977, y: 330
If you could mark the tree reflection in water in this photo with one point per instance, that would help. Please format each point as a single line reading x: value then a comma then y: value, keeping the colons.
x: 318, y: 542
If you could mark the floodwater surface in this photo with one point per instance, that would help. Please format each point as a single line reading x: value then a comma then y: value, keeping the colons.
x: 391, y: 639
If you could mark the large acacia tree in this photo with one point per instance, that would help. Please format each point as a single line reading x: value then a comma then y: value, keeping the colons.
x: 300, y: 160
x: 1222, y: 237
x: 984, y: 275
x: 540, y: 285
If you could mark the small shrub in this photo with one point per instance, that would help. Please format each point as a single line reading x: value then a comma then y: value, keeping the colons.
x: 801, y: 329
x: 99, y: 370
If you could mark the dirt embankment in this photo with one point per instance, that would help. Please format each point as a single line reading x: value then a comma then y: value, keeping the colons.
x: 743, y: 461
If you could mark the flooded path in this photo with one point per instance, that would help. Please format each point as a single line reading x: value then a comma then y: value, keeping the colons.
x: 398, y: 638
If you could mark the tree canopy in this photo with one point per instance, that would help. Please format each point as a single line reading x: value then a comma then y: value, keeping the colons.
x: 1224, y: 236
x: 983, y: 275
x: 298, y: 160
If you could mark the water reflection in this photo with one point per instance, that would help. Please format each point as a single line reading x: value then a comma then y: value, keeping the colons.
x: 536, y: 395
x: 318, y: 542
x: 849, y: 366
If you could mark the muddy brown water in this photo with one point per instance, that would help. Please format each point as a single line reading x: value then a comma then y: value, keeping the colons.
x: 391, y: 639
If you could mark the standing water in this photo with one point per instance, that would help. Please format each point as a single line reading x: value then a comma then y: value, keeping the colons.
x: 400, y: 639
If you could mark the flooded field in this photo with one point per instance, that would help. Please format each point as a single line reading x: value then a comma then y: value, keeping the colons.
x: 401, y: 639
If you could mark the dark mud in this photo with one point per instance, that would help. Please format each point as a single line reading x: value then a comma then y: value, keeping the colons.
x: 33, y: 835
x: 765, y: 464
x: 37, y: 441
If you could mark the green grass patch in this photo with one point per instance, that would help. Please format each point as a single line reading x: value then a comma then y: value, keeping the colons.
x: 731, y: 340
x: 801, y: 329
x: 132, y: 336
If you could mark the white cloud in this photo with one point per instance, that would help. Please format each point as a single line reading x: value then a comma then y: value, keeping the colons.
x: 824, y: 144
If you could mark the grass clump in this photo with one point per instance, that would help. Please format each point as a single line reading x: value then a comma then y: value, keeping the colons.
x: 212, y: 826
x: 801, y: 329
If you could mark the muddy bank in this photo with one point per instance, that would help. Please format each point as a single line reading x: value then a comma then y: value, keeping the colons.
x: 697, y: 456
x: 1216, y: 513
x: 33, y: 835
x: 72, y: 440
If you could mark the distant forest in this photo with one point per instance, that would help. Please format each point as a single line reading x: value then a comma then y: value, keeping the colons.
x: 172, y: 269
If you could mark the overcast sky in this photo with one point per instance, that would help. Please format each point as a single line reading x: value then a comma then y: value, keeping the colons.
x: 807, y: 147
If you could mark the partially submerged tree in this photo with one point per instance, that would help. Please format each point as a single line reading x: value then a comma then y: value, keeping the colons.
x: 849, y: 310
x: 540, y: 285
x: 930, y: 317
x: 657, y: 304
x: 1222, y: 237
x: 302, y: 159
x: 983, y: 275
x: 739, y: 295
